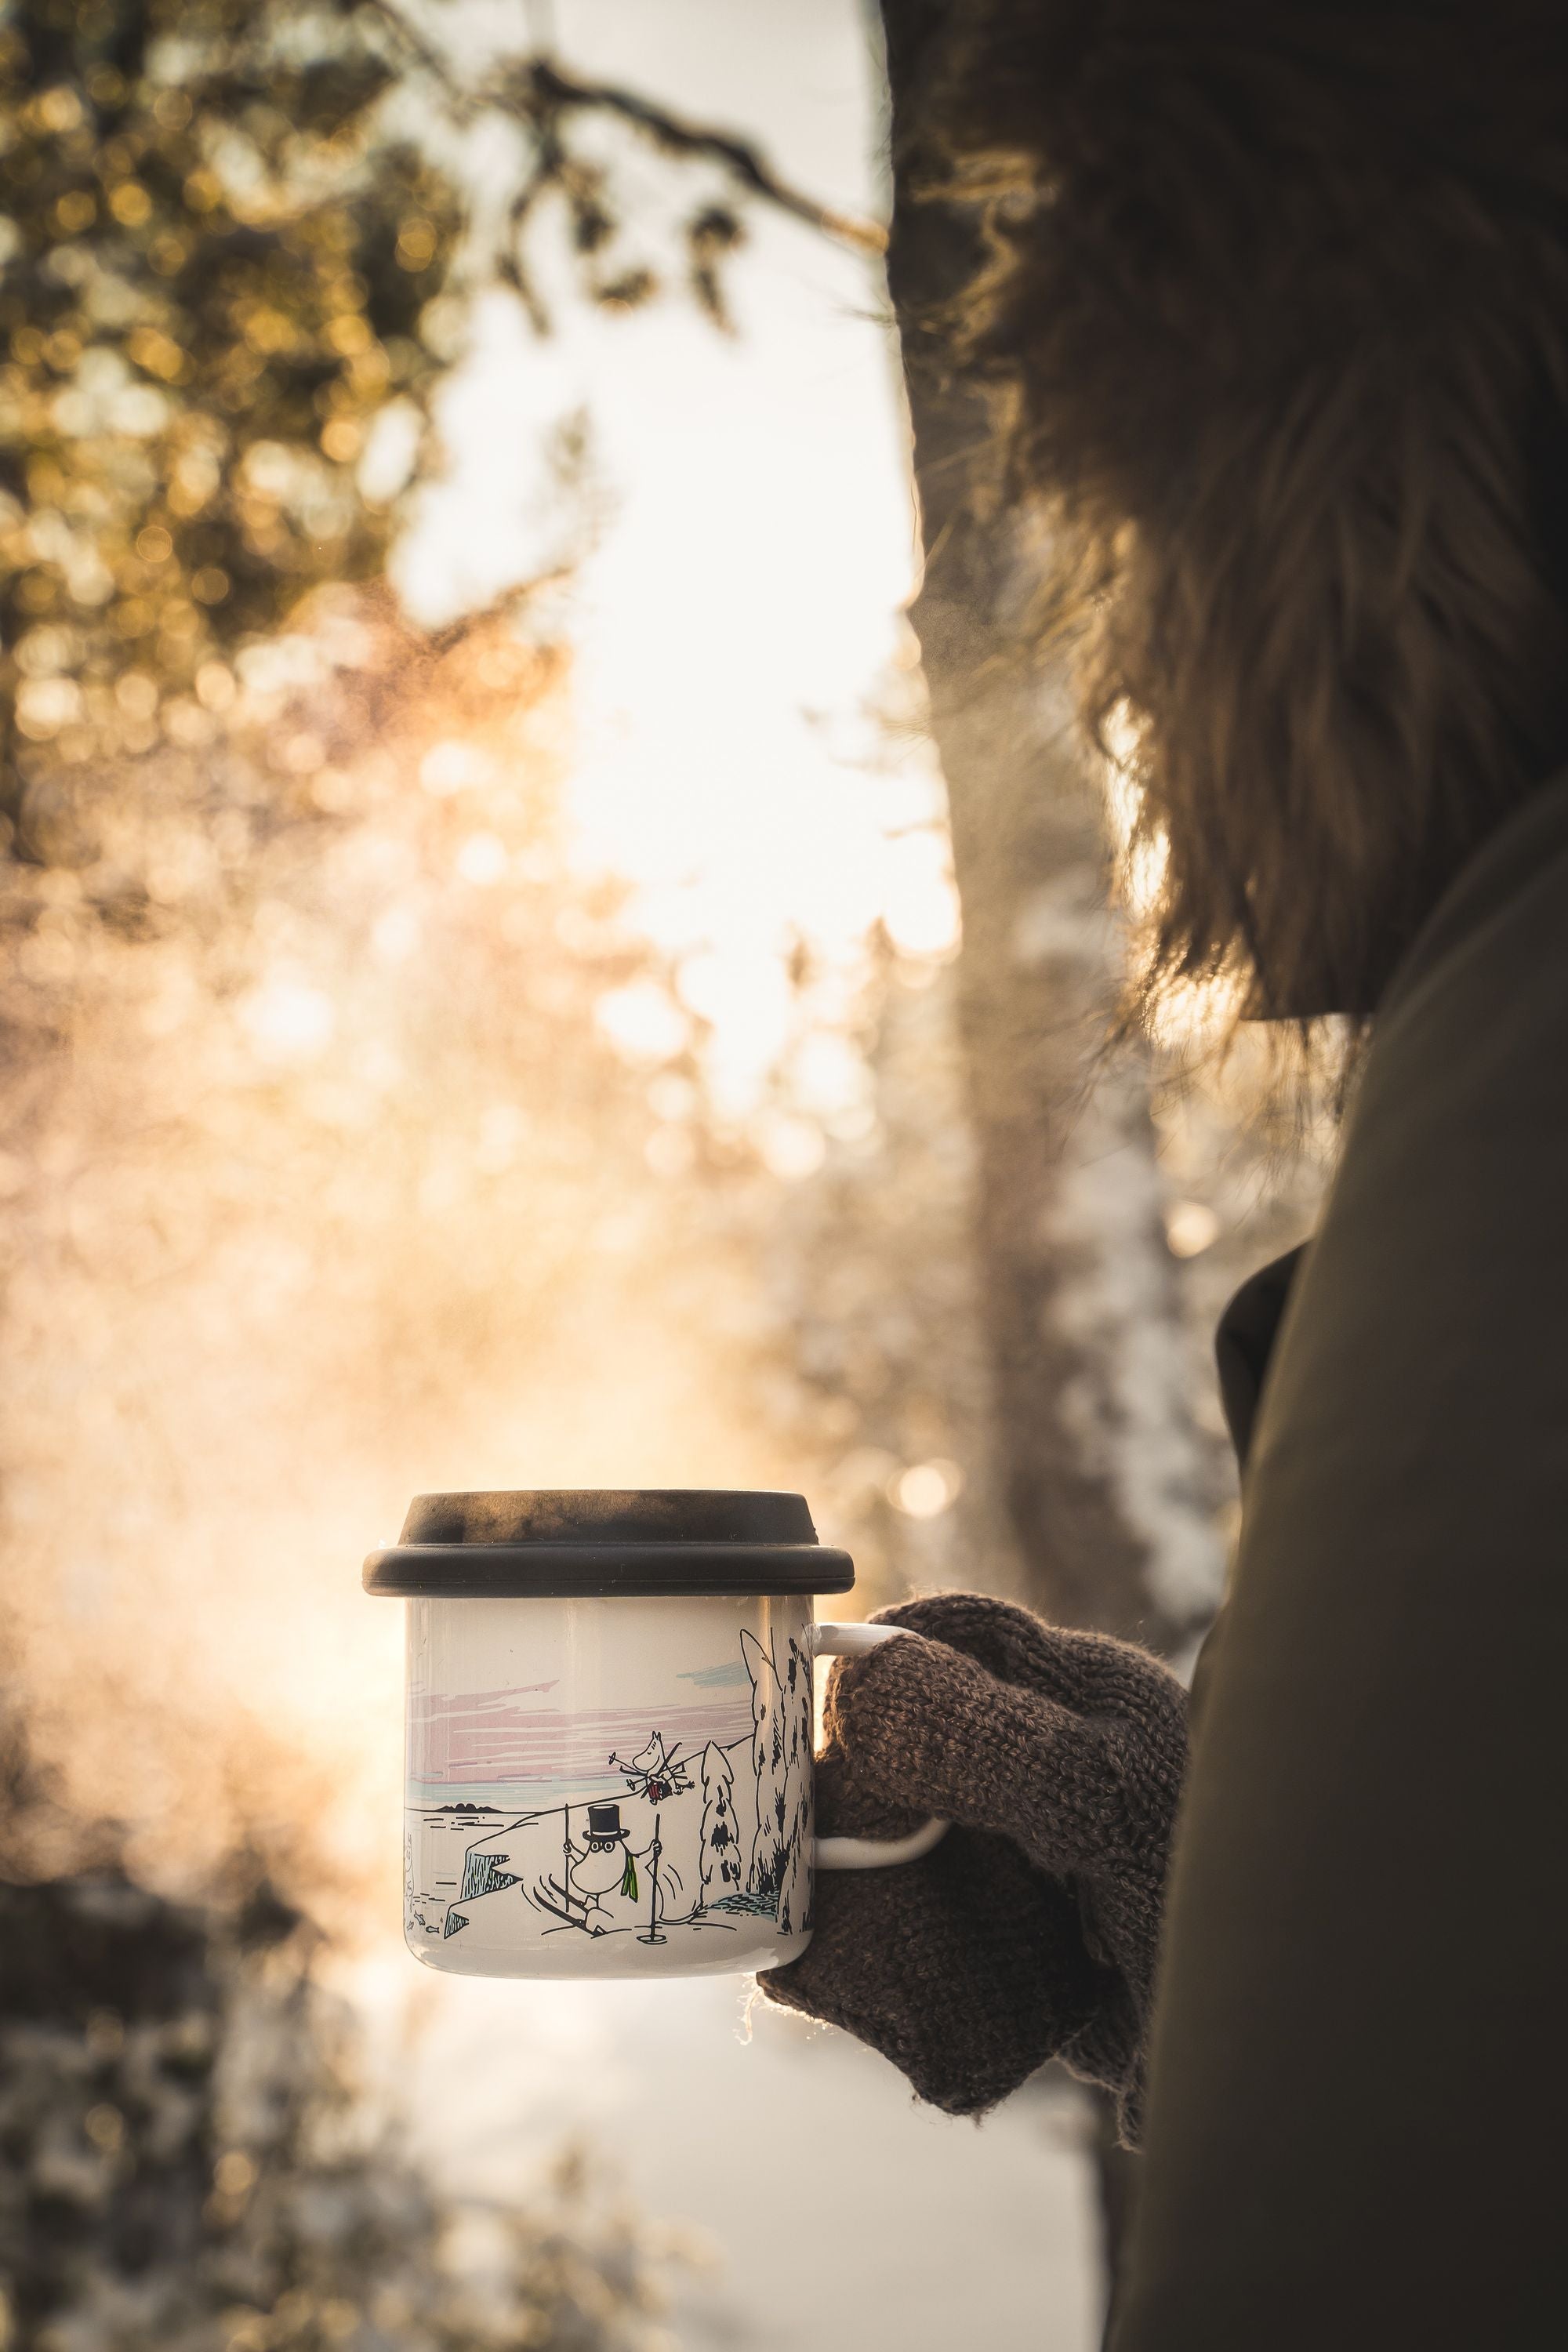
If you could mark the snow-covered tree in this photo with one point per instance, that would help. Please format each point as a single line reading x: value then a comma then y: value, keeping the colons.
x: 767, y: 1859
x: 195, y: 2154
x: 781, y: 1750
x: 795, y: 1886
x: 721, y: 1836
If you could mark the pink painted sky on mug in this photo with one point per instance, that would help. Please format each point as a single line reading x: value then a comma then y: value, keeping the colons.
x: 462, y: 1738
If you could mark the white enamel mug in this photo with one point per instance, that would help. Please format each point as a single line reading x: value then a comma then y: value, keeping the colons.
x: 610, y: 1723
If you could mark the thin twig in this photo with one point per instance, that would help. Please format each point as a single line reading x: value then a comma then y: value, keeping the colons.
x: 535, y: 78
x: 696, y: 139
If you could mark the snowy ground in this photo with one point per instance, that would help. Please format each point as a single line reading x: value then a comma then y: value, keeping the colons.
x: 840, y: 2216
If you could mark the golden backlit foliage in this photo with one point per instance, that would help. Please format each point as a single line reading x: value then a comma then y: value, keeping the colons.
x: 219, y: 262
x: 236, y: 241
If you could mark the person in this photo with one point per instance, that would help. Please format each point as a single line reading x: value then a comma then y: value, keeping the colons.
x: 1288, y: 321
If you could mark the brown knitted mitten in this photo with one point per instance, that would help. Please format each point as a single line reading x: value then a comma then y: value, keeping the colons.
x: 1030, y: 1932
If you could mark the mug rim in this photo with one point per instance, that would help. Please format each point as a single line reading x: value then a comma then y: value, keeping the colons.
x: 589, y: 1571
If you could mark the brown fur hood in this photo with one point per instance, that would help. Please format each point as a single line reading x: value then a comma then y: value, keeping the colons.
x: 1277, y: 297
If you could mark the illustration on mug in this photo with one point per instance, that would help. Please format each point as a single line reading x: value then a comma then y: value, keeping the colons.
x: 703, y: 1824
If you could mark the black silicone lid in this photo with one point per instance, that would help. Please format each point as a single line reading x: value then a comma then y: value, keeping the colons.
x: 588, y: 1542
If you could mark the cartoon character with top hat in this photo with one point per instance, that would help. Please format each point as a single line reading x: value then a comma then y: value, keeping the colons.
x: 604, y: 1877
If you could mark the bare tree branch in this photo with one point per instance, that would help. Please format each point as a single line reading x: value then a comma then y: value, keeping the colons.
x: 679, y: 137
x: 537, y: 90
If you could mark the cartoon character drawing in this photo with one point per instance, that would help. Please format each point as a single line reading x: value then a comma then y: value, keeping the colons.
x: 655, y: 1772
x: 602, y: 1876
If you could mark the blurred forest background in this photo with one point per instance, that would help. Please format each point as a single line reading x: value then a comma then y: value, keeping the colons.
x: 520, y: 967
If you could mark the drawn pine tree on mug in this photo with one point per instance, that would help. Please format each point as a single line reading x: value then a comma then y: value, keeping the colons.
x: 720, y: 1841
x: 781, y: 1752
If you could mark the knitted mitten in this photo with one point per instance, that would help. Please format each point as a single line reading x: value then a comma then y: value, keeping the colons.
x: 1030, y: 1932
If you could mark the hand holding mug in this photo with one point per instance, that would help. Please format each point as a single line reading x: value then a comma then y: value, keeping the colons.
x: 1031, y: 1932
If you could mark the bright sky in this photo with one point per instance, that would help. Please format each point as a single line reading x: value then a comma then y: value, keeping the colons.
x: 740, y: 612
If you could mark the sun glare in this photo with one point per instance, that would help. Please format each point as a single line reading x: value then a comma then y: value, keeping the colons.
x: 378, y: 1168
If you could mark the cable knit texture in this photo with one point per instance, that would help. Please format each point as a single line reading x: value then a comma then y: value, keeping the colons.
x: 1031, y: 1931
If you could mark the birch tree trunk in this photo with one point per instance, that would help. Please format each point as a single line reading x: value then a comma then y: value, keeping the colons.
x: 1110, y: 1488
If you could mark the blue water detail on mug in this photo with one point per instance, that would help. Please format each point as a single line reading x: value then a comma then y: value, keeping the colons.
x: 703, y: 1825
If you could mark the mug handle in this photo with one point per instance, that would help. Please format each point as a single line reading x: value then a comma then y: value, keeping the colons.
x: 865, y: 1853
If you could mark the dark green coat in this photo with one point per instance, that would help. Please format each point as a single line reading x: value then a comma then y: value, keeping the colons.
x: 1359, y: 2044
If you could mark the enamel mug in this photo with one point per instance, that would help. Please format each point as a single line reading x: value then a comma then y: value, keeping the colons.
x: 609, y: 1730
